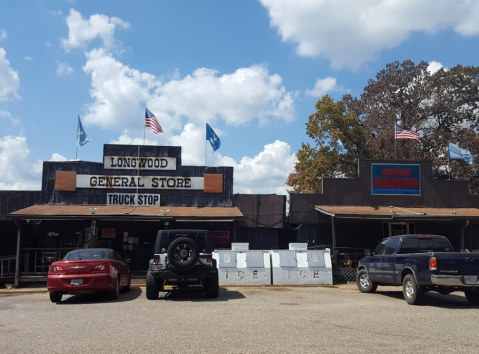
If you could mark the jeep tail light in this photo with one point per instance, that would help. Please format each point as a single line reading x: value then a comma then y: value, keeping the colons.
x: 209, y: 258
x: 102, y: 268
x: 156, y: 258
x: 433, y: 263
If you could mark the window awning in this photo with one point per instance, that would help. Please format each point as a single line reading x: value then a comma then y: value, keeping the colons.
x: 397, y: 213
x: 98, y: 212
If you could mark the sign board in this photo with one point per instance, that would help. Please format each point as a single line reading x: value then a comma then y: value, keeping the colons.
x: 139, y: 163
x: 140, y: 182
x: 108, y: 233
x: 239, y: 246
x: 298, y: 246
x: 220, y: 236
x: 127, y: 199
x: 395, y: 179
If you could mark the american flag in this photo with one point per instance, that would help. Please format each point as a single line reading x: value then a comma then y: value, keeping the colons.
x: 406, y: 134
x: 150, y: 121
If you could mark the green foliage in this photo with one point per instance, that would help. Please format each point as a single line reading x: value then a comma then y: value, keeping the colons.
x: 443, y: 107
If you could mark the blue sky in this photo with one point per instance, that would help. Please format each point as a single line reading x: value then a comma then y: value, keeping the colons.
x: 252, y: 69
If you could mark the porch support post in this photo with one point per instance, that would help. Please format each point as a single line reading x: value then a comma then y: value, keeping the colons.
x: 335, y: 255
x: 17, y: 259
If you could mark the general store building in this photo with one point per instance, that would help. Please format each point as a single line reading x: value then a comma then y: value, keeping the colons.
x: 123, y: 201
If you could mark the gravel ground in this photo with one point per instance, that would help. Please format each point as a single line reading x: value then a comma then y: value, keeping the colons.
x: 241, y: 320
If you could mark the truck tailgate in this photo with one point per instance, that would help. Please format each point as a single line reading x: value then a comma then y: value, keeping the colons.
x: 457, y: 263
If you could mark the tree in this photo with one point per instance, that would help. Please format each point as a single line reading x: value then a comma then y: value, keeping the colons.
x: 442, y: 106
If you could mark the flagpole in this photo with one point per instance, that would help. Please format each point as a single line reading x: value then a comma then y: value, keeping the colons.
x: 144, y: 128
x: 78, y: 131
x: 395, y: 141
x: 206, y: 146
x: 449, y: 161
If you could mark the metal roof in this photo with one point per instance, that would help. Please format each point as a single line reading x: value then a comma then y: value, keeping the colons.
x: 61, y: 211
x: 393, y: 212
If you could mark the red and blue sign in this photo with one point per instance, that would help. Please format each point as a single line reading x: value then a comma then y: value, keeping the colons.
x: 394, y: 179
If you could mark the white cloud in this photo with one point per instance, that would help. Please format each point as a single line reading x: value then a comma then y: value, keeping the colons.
x: 3, y: 34
x: 9, y: 80
x: 56, y: 13
x: 237, y: 98
x: 434, y: 67
x: 6, y: 115
x: 57, y: 157
x: 16, y: 172
x: 81, y: 31
x: 265, y: 173
x: 323, y: 86
x: 64, y: 69
x: 48, y: 44
x: 28, y: 58
x: 119, y: 93
x: 352, y: 32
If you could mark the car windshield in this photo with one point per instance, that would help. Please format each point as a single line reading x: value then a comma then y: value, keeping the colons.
x: 85, y: 255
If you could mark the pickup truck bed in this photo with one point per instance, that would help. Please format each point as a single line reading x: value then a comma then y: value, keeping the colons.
x: 420, y: 263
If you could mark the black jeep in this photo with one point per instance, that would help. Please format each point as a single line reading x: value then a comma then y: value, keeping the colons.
x: 183, y: 260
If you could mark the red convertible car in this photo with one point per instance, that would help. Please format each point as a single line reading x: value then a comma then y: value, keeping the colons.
x: 88, y: 271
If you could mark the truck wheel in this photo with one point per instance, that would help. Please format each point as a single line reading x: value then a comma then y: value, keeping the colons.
x: 183, y: 252
x: 212, y: 286
x: 152, y: 288
x: 472, y: 296
x: 363, y: 282
x: 55, y: 297
x: 413, y: 294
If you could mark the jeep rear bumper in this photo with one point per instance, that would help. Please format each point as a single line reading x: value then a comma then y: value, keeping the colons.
x: 183, y: 275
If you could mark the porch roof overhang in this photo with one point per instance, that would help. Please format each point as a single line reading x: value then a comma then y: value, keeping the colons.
x: 392, y: 213
x: 126, y: 213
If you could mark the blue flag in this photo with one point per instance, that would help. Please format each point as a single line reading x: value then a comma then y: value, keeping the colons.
x: 341, y: 148
x: 213, y: 138
x: 455, y: 152
x: 82, y: 138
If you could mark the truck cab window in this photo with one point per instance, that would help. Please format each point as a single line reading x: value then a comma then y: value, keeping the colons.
x: 410, y: 245
x: 381, y: 248
x: 392, y: 246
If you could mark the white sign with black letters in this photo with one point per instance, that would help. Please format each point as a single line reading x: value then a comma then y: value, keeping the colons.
x: 127, y: 199
x: 141, y: 163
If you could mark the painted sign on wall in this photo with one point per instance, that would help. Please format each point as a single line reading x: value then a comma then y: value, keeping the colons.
x: 142, y: 163
x: 220, y: 236
x: 141, y: 182
x: 395, y: 179
x: 127, y: 199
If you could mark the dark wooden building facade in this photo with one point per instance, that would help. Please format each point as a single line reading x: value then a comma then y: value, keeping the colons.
x: 388, y: 198
x: 123, y: 202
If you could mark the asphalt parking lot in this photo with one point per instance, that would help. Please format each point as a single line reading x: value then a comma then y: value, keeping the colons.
x: 241, y: 320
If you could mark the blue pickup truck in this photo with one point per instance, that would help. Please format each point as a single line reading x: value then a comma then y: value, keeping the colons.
x: 419, y: 263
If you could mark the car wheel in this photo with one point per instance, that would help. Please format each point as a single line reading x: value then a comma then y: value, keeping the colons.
x: 413, y: 294
x: 183, y: 252
x: 212, y: 286
x: 363, y: 282
x: 114, y: 294
x: 152, y: 288
x: 55, y: 297
x: 472, y: 296
x: 126, y: 289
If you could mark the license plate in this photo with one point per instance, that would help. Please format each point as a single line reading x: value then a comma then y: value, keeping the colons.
x: 77, y: 282
x: 470, y: 279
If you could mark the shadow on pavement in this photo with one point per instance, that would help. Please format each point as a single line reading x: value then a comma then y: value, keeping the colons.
x: 98, y: 298
x: 433, y: 299
x: 199, y: 295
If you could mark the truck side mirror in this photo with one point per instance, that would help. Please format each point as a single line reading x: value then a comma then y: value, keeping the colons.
x: 368, y: 253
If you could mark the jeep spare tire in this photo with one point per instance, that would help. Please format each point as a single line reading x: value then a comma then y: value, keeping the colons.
x: 183, y: 252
